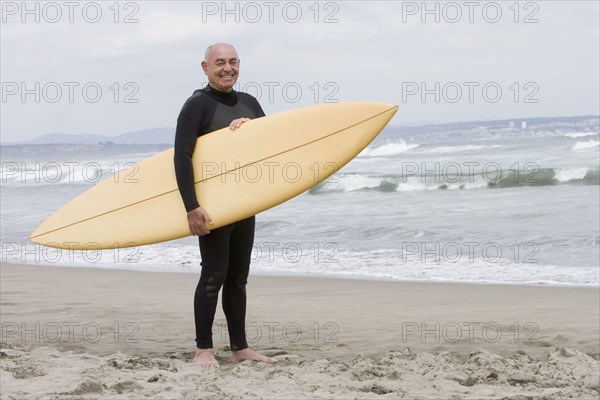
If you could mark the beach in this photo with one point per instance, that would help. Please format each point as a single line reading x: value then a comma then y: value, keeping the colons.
x: 457, y: 263
x: 94, y: 333
x: 449, y: 251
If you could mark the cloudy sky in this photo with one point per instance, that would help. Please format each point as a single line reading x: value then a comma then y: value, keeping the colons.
x: 108, y: 68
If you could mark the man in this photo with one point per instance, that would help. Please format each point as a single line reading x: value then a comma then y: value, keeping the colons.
x: 225, y: 251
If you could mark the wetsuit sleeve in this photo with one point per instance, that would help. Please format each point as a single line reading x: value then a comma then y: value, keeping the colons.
x: 189, y: 124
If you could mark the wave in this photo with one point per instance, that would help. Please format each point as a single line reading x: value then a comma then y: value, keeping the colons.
x: 499, y: 180
x: 388, y: 149
x: 547, y: 177
x: 410, y: 260
x: 457, y: 149
x: 586, y: 145
x: 570, y: 174
x: 581, y: 134
x: 52, y: 173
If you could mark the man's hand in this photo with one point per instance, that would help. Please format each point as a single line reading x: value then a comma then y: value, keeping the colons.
x: 197, y: 220
x: 236, y: 123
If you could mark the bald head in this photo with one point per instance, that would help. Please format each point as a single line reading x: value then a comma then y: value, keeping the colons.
x: 216, y: 48
x: 221, y: 65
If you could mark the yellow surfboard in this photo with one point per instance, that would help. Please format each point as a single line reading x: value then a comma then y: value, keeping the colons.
x: 238, y: 174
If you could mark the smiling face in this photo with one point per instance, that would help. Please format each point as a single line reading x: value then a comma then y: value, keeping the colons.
x: 221, y: 66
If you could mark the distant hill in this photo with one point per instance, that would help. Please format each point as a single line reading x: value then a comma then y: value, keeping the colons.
x: 540, y: 126
x: 145, y: 136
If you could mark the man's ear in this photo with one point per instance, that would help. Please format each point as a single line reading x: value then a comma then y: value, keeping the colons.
x: 205, y: 67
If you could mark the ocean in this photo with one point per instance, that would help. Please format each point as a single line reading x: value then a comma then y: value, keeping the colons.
x: 519, y: 208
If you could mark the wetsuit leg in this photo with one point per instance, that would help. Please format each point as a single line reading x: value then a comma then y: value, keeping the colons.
x: 214, y: 250
x: 226, y: 254
x: 234, y: 288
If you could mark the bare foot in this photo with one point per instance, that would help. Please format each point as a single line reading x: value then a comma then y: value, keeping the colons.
x: 249, y: 354
x: 206, y: 358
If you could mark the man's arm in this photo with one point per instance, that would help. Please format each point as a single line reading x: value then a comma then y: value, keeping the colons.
x: 189, y: 125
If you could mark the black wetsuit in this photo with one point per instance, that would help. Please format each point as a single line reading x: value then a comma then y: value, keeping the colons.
x: 225, y: 251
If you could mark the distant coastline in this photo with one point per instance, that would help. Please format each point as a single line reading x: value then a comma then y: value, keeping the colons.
x: 514, y: 127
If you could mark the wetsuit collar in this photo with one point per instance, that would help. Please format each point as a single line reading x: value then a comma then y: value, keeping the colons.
x: 227, y: 98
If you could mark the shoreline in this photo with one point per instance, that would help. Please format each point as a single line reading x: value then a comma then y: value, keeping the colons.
x: 101, y: 333
x: 300, y: 275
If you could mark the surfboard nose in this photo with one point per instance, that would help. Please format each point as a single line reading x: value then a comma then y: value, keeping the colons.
x: 392, y: 107
x: 380, y: 108
x: 389, y: 109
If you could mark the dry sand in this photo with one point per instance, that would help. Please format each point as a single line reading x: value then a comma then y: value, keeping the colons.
x: 90, y: 333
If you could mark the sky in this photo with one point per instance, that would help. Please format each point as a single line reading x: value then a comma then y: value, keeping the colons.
x: 110, y: 67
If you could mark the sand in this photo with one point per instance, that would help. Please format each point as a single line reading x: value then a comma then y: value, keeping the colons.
x: 90, y: 333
